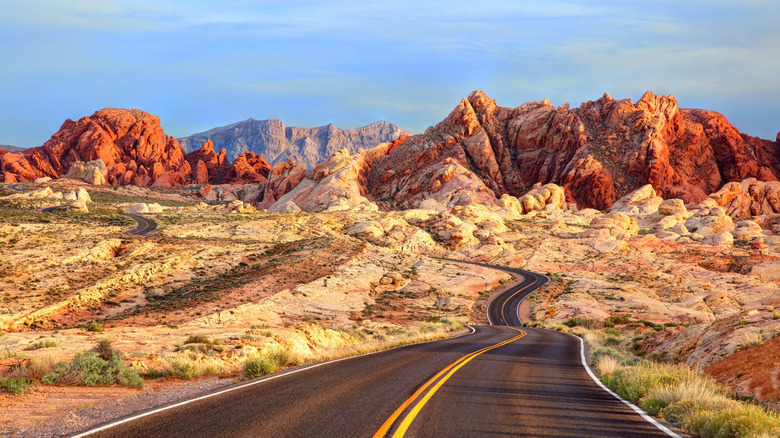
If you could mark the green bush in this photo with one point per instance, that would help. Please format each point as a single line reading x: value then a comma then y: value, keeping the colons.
x: 198, y: 339
x: 202, y: 344
x: 583, y: 322
x: 261, y: 365
x: 607, y: 351
x: 14, y: 385
x: 41, y: 344
x: 182, y: 369
x: 90, y: 369
x: 611, y: 321
x: 94, y: 326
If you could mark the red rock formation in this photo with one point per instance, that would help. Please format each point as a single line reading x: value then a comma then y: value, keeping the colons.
x: 598, y: 152
x: 130, y: 142
x: 284, y: 176
x: 248, y: 168
x: 207, y: 165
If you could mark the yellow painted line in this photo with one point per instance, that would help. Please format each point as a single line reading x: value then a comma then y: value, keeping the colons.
x: 449, y: 370
x: 387, y: 424
x: 504, y: 305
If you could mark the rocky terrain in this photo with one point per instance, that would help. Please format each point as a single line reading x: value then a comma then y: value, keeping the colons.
x: 128, y: 147
x: 598, y: 153
x: 693, y: 284
x: 277, y: 142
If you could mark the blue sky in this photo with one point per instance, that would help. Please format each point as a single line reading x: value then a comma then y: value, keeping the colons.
x: 199, y: 64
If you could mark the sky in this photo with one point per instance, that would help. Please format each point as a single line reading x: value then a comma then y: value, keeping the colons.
x: 200, y: 64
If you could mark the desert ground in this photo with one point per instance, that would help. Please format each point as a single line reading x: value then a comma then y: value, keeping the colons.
x: 219, y: 282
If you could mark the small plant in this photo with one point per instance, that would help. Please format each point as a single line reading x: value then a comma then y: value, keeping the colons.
x: 752, y: 339
x: 775, y: 314
x: 262, y: 365
x: 104, y: 349
x: 583, y: 322
x: 91, y: 369
x: 608, y: 366
x: 41, y: 344
x: 14, y: 385
x: 94, y: 326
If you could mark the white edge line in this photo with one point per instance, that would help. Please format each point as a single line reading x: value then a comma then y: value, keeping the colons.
x: 252, y: 383
x: 636, y: 409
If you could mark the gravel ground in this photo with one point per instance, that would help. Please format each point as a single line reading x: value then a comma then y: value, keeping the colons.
x: 115, y: 409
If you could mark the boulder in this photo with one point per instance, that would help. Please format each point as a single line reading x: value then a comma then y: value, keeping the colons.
x: 94, y: 172
x: 709, y: 221
x: 747, y: 230
x: 643, y: 200
x: 284, y: 207
x: 79, y: 206
x: 672, y: 207
x: 82, y: 193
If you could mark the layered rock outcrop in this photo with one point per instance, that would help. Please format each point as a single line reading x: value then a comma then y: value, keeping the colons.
x: 277, y: 142
x: 598, y: 153
x: 131, y: 144
x: 211, y: 167
x: 128, y: 147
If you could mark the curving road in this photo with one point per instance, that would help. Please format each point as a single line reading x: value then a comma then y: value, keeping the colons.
x: 496, y: 381
x: 144, y: 227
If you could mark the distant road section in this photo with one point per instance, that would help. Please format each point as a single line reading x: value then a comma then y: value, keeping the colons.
x: 145, y: 226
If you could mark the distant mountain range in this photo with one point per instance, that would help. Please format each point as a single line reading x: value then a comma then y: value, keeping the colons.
x: 277, y: 142
x: 10, y: 148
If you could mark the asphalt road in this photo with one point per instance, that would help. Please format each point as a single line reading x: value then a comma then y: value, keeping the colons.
x: 497, y: 381
x: 54, y: 209
x: 145, y: 226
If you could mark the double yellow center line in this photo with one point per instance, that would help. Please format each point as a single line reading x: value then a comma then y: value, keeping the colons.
x: 437, y: 381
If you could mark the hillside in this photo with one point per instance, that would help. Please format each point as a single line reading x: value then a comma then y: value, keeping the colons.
x: 277, y: 142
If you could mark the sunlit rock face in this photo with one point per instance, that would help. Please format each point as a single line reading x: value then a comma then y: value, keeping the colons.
x: 598, y: 152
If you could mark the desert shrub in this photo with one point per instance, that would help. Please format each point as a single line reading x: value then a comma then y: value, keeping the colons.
x: 608, y: 365
x: 202, y: 344
x: 608, y: 352
x: 35, y: 369
x: 733, y: 420
x: 751, y: 339
x: 257, y: 366
x: 198, y: 339
x: 583, y: 322
x: 90, y: 369
x: 94, y: 326
x: 104, y: 349
x: 634, y: 383
x: 14, y: 385
x: 611, y: 321
x: 181, y: 368
x: 690, y: 399
x: 41, y: 344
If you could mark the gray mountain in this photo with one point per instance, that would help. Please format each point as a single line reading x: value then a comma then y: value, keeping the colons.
x: 277, y: 142
x: 10, y: 148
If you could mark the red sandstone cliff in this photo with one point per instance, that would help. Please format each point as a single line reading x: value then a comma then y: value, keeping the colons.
x: 136, y: 151
x: 598, y: 152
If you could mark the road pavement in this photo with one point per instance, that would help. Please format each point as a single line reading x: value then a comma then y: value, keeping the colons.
x: 144, y: 227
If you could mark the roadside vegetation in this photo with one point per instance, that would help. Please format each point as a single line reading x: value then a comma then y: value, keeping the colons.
x: 102, y: 366
x: 677, y: 393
